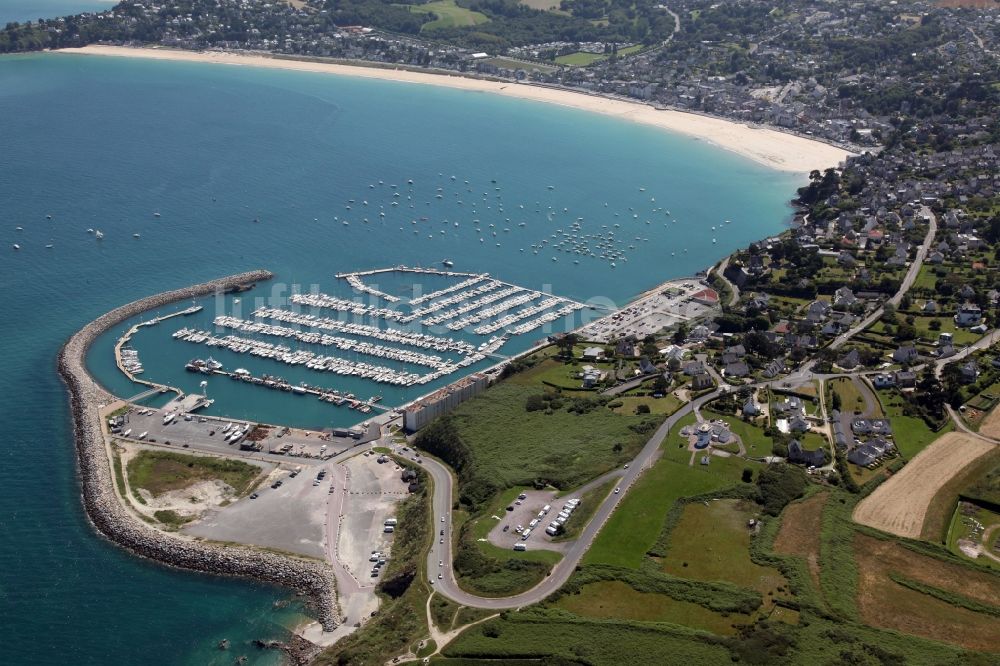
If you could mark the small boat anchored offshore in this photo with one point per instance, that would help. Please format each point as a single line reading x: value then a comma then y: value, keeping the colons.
x: 447, y: 263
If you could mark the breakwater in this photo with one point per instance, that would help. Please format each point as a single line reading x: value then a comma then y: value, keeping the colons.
x: 112, y: 519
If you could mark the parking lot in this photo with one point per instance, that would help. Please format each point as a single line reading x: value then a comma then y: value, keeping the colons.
x: 203, y: 432
x: 373, y: 491
x: 666, y: 306
x: 505, y: 534
x: 291, y: 517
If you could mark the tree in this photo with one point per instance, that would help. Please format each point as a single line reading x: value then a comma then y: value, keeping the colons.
x: 779, y: 485
x: 889, y: 313
x: 680, y: 335
x: 642, y: 409
x: 566, y: 344
x: 747, y: 475
x: 835, y: 401
x: 534, y: 403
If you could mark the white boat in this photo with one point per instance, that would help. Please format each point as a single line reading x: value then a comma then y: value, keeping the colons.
x: 16, y: 246
x: 127, y: 432
x: 99, y: 234
x: 169, y: 418
x: 142, y: 435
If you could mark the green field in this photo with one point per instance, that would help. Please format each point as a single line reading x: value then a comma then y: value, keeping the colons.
x: 162, y: 471
x: 851, y: 399
x: 666, y: 405
x: 911, y: 433
x: 566, y: 446
x: 584, y: 58
x: 580, y: 58
x: 635, y: 526
x: 559, y: 374
x: 548, y: 637
x: 961, y: 336
x: 617, y: 600
x: 711, y: 542
x: 449, y: 15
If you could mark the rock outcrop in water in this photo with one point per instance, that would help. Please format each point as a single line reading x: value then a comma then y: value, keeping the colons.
x: 121, y: 526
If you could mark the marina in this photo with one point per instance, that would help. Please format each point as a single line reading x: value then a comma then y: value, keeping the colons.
x: 342, y: 305
x: 311, y: 360
x: 369, y: 349
x: 344, y: 344
x: 208, y: 193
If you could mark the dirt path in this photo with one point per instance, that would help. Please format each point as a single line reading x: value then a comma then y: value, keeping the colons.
x: 899, y: 506
x: 443, y: 638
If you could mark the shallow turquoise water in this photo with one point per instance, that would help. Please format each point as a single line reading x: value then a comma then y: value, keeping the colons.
x: 32, y: 10
x: 103, y: 143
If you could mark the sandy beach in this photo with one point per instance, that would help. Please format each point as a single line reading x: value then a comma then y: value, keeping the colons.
x: 778, y: 150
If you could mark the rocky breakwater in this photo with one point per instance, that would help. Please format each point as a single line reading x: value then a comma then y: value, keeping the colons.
x: 111, y: 518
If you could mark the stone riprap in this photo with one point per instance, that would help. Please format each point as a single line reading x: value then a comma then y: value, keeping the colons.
x: 117, y: 523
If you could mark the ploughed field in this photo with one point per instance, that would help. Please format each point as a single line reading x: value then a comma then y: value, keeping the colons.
x: 901, y: 504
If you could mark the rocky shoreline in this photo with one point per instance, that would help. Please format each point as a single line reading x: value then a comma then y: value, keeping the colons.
x: 113, y: 520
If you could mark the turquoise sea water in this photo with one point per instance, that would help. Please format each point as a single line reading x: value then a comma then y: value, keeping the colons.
x: 32, y: 10
x: 103, y: 143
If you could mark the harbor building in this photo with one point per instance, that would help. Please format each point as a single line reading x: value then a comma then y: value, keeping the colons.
x: 424, y: 410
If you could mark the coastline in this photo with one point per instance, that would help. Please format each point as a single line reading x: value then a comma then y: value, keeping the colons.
x: 106, y: 511
x: 769, y: 147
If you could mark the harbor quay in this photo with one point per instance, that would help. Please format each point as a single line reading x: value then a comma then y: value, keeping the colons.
x: 90, y: 406
x: 313, y: 536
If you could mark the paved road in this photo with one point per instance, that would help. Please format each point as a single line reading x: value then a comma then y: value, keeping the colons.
x: 982, y: 343
x: 440, y: 557
x: 627, y: 385
x: 442, y: 501
x: 908, y: 280
x: 442, y: 519
x: 721, y: 271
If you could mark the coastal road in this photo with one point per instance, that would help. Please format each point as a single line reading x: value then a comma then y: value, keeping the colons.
x: 442, y: 520
x: 441, y: 555
x: 734, y: 295
x: 908, y: 280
